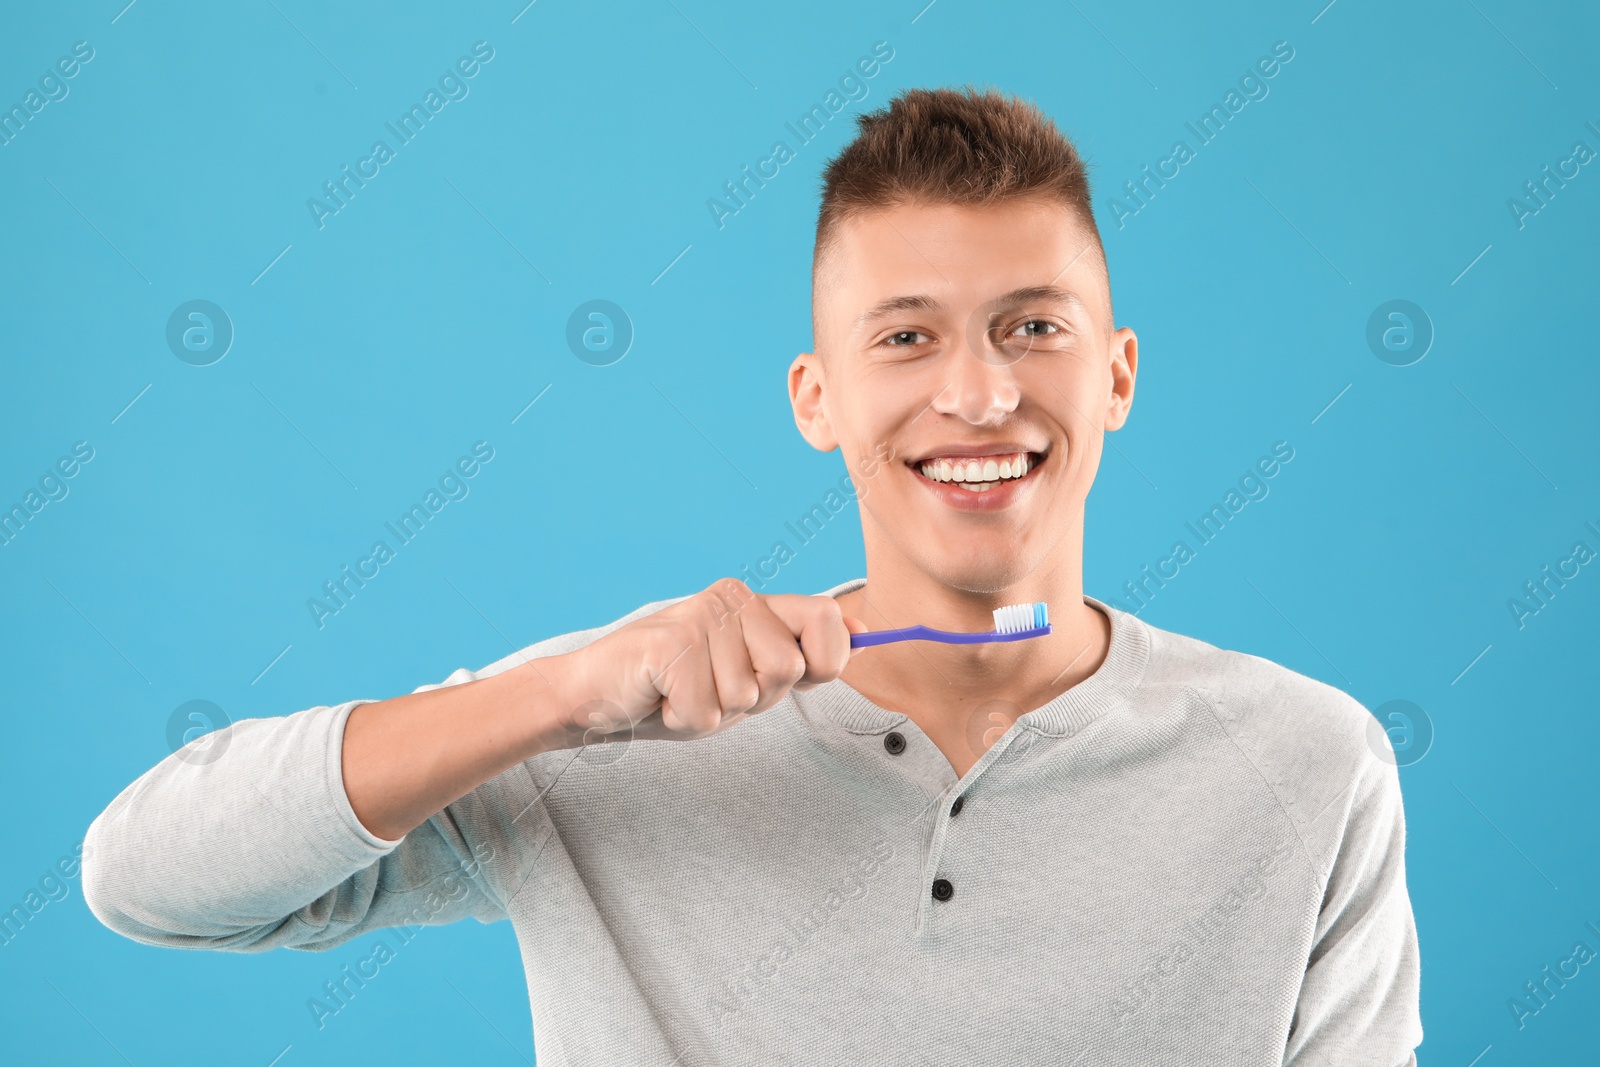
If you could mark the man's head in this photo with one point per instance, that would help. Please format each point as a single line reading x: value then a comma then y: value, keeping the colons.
x: 961, y: 309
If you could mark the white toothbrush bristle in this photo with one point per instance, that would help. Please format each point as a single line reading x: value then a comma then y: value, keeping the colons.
x: 1015, y: 617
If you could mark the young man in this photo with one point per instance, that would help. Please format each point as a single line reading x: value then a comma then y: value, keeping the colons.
x: 1109, y: 845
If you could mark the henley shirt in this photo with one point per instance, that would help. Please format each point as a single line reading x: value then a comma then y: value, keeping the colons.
x: 1193, y: 856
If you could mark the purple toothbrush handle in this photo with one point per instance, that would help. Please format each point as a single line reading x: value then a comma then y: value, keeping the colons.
x: 926, y: 633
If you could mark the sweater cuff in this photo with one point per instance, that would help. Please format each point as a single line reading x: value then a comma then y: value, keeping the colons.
x: 347, y: 837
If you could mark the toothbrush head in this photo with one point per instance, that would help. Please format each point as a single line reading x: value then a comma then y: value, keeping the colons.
x: 1018, y: 617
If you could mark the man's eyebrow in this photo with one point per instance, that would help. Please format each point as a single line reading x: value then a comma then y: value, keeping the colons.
x: 1041, y: 294
x: 920, y: 302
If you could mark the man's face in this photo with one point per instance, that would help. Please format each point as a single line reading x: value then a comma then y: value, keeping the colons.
x: 967, y: 367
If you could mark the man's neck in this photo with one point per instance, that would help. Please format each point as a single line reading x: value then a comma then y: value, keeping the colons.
x: 964, y: 696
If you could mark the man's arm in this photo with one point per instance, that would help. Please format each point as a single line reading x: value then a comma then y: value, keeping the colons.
x: 260, y: 847
x: 310, y: 829
x: 406, y: 758
x: 689, y: 670
x: 1358, y: 1003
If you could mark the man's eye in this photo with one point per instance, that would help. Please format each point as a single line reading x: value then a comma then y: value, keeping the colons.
x: 1036, y: 328
x: 904, y: 338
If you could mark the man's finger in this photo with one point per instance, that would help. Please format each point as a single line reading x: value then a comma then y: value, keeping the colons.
x: 737, y: 687
x: 778, y: 659
x: 689, y: 692
x: 823, y: 630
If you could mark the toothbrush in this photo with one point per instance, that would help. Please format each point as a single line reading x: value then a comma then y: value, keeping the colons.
x: 1014, y: 623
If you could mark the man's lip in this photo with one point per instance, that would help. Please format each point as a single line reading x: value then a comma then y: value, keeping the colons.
x: 995, y: 448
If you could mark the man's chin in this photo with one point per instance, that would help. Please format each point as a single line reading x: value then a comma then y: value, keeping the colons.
x: 977, y: 577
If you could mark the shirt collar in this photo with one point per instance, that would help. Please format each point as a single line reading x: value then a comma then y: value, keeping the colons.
x: 1105, y: 690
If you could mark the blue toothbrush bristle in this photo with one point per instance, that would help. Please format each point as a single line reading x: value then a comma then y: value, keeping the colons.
x: 1017, y: 617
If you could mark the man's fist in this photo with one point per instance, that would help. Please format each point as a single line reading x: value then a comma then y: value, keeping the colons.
x: 694, y: 669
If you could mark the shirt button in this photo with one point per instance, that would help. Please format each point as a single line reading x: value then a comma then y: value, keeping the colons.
x: 942, y: 889
x: 955, y: 809
x: 894, y: 742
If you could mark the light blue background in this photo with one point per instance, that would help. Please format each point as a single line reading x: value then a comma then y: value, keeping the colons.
x: 430, y: 311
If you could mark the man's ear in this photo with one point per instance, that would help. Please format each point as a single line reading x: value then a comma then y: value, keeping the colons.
x: 810, y: 408
x: 1124, y: 356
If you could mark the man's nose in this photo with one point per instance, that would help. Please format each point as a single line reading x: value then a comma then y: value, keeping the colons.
x: 980, y: 384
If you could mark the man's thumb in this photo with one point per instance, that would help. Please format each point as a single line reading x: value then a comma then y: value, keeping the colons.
x: 855, y: 626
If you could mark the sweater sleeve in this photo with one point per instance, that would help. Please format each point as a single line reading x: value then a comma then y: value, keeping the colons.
x: 244, y: 840
x: 1358, y: 1002
x: 250, y: 843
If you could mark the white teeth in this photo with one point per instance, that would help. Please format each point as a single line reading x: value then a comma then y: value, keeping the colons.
x: 977, y: 474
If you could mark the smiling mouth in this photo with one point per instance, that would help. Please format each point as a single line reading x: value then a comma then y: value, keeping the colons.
x: 979, y: 474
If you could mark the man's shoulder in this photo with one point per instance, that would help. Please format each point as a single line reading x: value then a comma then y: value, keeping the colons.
x: 1255, y: 694
x: 1311, y: 743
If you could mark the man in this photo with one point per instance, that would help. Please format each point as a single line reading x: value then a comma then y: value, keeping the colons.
x: 1110, y: 845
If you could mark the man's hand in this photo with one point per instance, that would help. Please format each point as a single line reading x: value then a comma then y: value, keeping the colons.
x: 698, y: 667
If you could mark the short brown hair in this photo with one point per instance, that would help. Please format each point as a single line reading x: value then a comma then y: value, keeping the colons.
x: 952, y: 146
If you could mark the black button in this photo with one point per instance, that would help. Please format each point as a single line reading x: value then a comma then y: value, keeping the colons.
x: 955, y: 809
x: 894, y: 742
x: 942, y: 889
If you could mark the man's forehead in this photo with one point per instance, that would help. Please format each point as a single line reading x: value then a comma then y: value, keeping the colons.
x: 919, y: 231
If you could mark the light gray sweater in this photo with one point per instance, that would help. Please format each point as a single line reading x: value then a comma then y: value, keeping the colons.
x: 1193, y: 856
